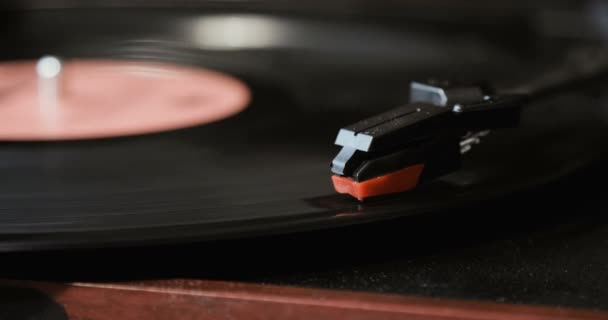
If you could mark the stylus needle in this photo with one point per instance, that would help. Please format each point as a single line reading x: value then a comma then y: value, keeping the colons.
x: 396, y: 150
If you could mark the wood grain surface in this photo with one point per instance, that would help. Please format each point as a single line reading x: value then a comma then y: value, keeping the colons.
x: 196, y: 299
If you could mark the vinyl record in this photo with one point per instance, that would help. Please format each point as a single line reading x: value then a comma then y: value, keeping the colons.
x: 264, y: 170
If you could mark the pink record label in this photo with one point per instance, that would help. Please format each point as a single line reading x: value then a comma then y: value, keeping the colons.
x: 84, y: 99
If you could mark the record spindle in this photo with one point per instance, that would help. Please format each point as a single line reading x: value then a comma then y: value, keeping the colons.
x: 49, y: 70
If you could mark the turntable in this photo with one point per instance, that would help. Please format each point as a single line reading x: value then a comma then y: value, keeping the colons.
x: 167, y: 136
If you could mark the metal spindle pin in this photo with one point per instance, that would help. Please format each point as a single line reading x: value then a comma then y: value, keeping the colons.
x: 49, y: 69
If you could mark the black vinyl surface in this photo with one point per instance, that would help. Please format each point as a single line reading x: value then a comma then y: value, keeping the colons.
x: 265, y: 171
x: 262, y: 172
